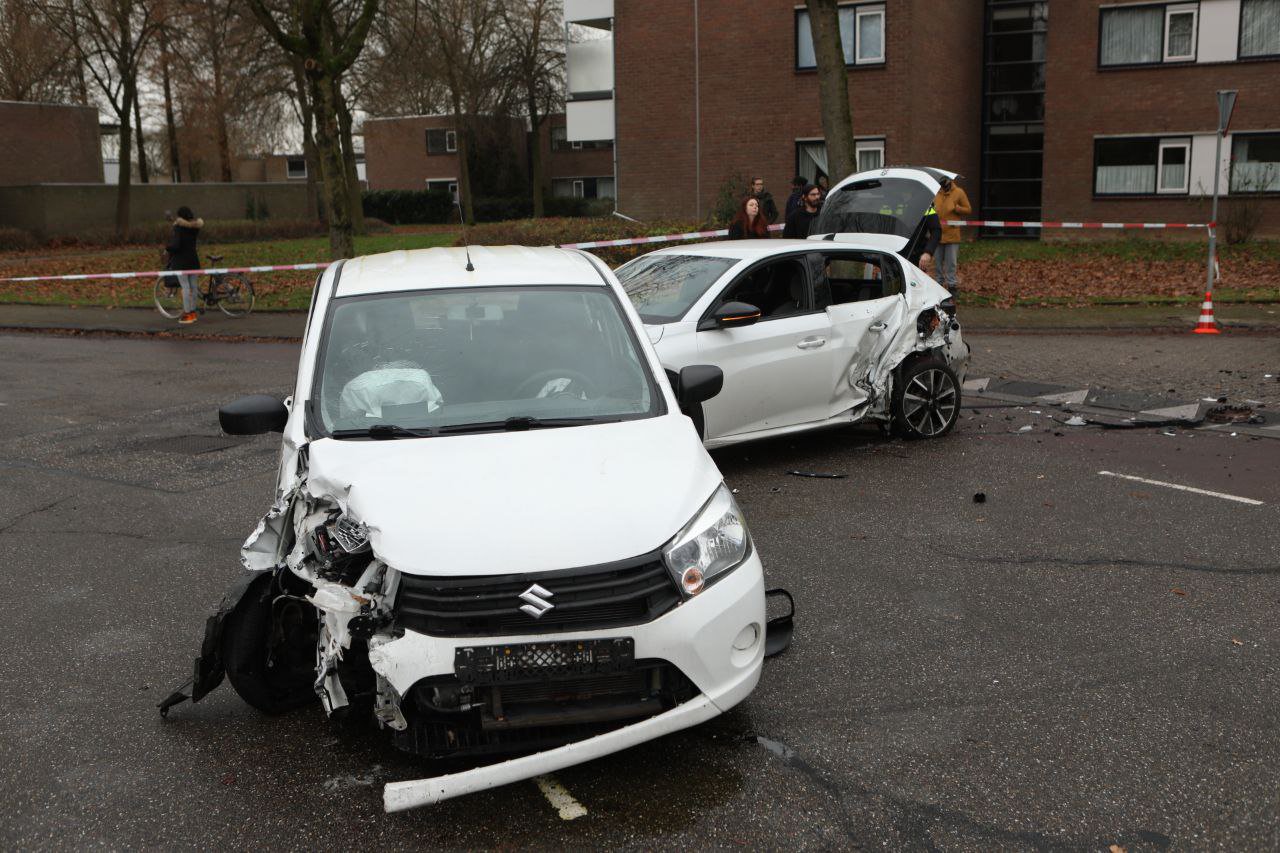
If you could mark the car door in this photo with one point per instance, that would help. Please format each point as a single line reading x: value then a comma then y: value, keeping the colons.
x: 775, y: 371
x: 862, y: 296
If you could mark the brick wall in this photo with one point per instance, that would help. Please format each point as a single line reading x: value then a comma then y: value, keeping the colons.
x: 568, y: 163
x: 924, y: 100
x: 1082, y: 101
x: 396, y: 153
x: 48, y: 143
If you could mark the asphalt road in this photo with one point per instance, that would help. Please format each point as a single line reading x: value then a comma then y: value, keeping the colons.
x: 1079, y: 661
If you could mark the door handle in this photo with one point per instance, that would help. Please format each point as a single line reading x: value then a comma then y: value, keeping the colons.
x: 877, y: 327
x: 811, y: 343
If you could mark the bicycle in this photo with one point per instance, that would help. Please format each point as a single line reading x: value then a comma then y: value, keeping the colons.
x: 231, y: 291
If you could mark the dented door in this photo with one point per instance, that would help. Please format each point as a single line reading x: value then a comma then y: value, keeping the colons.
x: 860, y: 334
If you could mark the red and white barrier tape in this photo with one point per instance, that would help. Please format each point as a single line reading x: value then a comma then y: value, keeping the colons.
x: 603, y: 244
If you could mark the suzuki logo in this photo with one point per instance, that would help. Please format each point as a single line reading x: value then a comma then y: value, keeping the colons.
x: 537, y: 604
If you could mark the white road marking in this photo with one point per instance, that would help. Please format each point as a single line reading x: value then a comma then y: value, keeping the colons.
x: 1225, y: 497
x: 560, y: 799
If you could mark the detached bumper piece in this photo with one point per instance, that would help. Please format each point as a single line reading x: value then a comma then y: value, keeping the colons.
x: 535, y: 696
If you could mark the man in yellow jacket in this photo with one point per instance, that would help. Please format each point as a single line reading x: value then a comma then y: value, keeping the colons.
x: 950, y: 203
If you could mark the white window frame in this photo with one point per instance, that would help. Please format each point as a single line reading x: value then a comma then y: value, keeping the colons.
x: 451, y: 141
x: 860, y: 145
x: 288, y: 171
x: 579, y: 188
x: 1165, y: 144
x: 453, y: 191
x: 1188, y: 9
x: 858, y: 15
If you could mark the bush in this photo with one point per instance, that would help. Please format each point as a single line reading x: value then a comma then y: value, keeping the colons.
x: 15, y: 240
x: 409, y: 207
x: 557, y: 231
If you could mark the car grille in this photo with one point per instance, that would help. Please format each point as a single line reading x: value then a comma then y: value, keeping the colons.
x: 629, y: 592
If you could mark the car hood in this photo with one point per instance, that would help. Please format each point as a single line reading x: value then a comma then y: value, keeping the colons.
x: 509, y: 502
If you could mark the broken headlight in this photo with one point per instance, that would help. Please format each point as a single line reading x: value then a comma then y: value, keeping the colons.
x: 715, y: 541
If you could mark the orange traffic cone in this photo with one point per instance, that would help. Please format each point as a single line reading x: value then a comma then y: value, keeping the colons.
x: 1207, y: 325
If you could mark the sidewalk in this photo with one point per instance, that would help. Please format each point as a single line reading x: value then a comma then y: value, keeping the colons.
x: 289, y: 325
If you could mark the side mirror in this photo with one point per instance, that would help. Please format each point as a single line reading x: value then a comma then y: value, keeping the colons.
x: 731, y: 315
x: 699, y: 383
x: 253, y: 415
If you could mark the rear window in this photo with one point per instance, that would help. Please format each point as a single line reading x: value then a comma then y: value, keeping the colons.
x: 878, y: 206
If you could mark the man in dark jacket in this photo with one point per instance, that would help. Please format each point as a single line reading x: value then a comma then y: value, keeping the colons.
x: 927, y: 245
x: 802, y: 217
x: 183, y: 256
x: 797, y: 192
x: 767, y: 205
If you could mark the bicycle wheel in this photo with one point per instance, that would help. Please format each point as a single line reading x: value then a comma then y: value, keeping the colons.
x: 235, y: 294
x: 169, y: 296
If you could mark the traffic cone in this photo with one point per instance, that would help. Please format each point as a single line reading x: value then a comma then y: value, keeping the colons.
x: 1207, y: 325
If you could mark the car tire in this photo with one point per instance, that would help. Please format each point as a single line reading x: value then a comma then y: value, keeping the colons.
x: 270, y: 686
x: 926, y: 399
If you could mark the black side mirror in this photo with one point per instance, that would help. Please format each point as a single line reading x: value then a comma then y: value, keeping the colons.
x: 730, y: 315
x: 253, y: 415
x: 699, y: 383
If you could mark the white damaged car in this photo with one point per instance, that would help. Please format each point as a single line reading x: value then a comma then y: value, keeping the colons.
x: 494, y: 532
x: 809, y: 333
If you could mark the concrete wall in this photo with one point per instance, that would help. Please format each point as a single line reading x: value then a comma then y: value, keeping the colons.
x: 64, y: 209
x: 48, y: 143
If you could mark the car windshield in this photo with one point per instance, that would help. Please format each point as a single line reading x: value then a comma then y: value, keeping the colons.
x: 877, y: 206
x: 664, y: 287
x: 442, y: 361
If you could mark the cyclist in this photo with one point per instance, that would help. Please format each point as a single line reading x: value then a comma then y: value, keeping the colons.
x: 182, y: 256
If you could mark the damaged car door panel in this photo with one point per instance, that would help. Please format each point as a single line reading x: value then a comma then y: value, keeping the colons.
x: 494, y: 534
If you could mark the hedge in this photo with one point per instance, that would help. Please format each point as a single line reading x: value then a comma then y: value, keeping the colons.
x: 406, y: 207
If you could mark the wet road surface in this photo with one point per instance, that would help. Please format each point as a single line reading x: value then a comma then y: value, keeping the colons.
x: 1078, y: 661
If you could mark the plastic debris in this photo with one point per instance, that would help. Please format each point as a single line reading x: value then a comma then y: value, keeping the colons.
x: 1076, y: 420
x: 820, y: 475
x: 1026, y: 428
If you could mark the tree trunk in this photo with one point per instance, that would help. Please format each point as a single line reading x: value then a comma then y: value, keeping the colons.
x: 464, y: 168
x: 337, y: 195
x: 535, y: 155
x: 220, y: 112
x: 126, y: 134
x: 309, y: 150
x: 833, y: 88
x: 143, y: 175
x: 349, y: 159
x: 171, y: 129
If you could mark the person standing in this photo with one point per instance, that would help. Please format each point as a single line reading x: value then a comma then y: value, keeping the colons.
x: 800, y: 220
x: 767, y: 205
x: 183, y: 256
x: 950, y: 203
x: 748, y: 223
x: 797, y: 194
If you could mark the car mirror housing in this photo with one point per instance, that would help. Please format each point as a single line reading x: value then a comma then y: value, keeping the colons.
x: 733, y: 314
x: 699, y: 383
x: 253, y: 415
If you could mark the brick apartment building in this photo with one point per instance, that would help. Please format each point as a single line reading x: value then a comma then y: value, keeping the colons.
x: 416, y: 152
x: 1055, y: 109
x: 48, y: 143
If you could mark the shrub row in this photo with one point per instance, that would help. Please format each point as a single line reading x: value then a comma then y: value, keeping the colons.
x: 558, y: 231
x: 157, y: 234
x: 432, y: 207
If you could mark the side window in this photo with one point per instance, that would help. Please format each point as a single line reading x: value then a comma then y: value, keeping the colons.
x: 857, y: 277
x: 778, y: 289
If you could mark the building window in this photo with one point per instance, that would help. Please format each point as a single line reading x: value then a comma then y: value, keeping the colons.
x: 1259, y: 28
x: 445, y: 185
x: 441, y: 141
x: 582, y: 187
x: 559, y: 138
x: 1141, y: 166
x: 1255, y: 163
x: 1148, y: 35
x: 295, y: 167
x: 861, y: 36
x: 560, y: 141
x: 870, y: 154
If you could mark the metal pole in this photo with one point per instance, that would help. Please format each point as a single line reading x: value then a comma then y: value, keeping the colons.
x: 1213, y: 220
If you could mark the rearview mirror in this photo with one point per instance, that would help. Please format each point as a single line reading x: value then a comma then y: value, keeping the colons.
x: 253, y: 415
x: 731, y: 315
x: 699, y: 383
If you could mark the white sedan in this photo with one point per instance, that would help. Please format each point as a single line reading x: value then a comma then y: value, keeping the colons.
x: 809, y: 333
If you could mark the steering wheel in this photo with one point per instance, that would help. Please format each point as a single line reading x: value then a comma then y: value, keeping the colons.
x: 577, y: 382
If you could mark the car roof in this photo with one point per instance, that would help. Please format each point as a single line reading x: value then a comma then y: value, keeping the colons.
x: 753, y: 250
x: 440, y: 267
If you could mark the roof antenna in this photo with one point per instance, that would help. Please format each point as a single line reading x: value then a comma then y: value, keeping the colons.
x: 466, y: 248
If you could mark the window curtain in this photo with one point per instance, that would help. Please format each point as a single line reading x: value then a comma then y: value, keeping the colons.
x: 1181, y: 34
x: 870, y: 36
x: 869, y: 158
x: 813, y: 159
x: 1132, y: 35
x: 1173, y: 176
x: 1125, y: 179
x: 1259, y: 27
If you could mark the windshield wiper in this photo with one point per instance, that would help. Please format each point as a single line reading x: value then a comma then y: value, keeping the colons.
x: 519, y: 423
x: 384, y: 431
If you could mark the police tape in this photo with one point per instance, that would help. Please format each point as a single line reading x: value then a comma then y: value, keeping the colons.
x: 599, y: 244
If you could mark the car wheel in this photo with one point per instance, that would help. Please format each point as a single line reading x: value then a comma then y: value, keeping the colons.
x: 267, y: 651
x: 926, y: 402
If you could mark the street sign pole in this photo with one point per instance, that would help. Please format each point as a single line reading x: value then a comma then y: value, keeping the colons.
x: 1226, y: 103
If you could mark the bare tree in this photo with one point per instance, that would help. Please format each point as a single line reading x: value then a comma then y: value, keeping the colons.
x: 37, y: 62
x: 327, y: 36
x: 396, y: 76
x: 833, y: 87
x: 534, y: 45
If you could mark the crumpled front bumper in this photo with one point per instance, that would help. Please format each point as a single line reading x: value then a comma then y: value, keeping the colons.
x: 698, y: 637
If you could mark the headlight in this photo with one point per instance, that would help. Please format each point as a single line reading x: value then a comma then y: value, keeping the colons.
x: 710, y: 545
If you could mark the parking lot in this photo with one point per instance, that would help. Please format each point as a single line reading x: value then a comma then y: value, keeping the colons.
x: 1075, y: 662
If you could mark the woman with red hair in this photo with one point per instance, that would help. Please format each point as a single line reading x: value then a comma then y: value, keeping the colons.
x: 748, y: 223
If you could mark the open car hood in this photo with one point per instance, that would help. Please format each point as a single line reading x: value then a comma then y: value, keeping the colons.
x: 511, y: 502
